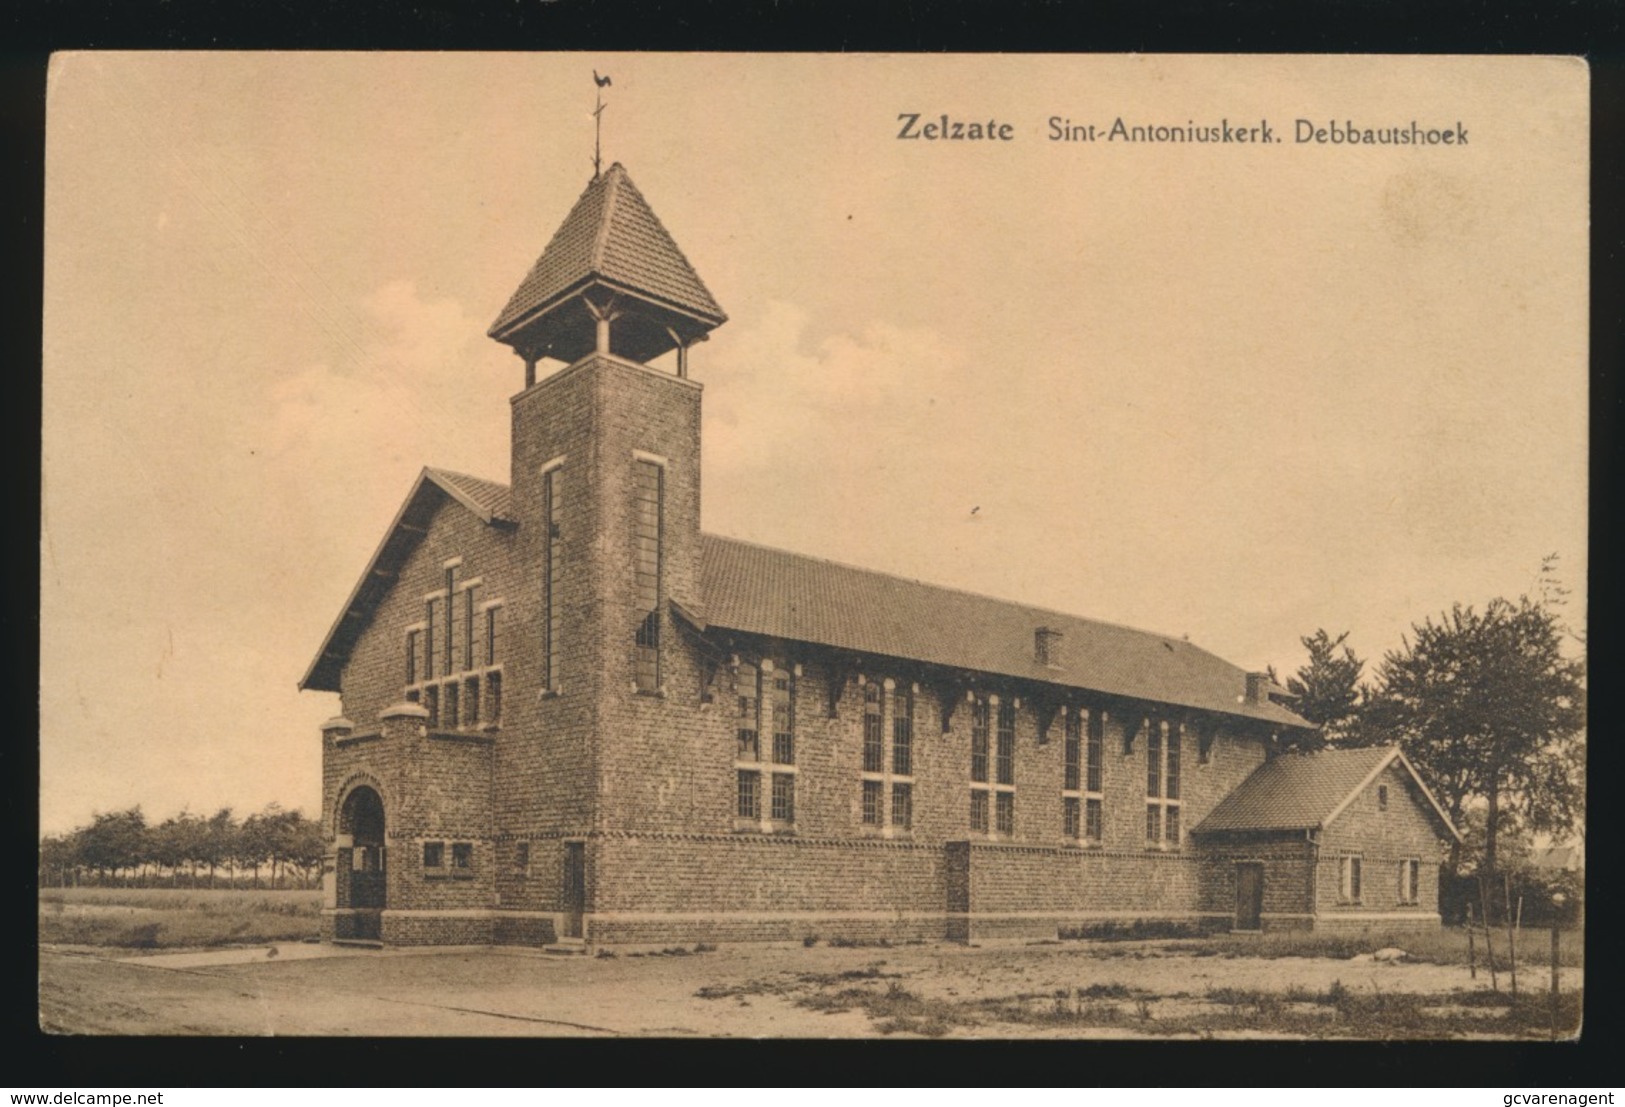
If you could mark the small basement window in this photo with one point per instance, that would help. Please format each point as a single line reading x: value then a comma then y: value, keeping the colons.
x: 462, y: 858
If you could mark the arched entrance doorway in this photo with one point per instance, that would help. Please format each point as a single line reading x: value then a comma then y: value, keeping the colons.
x: 361, y: 874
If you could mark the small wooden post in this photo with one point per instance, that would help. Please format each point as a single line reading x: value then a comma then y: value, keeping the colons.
x: 1489, y: 944
x: 1512, y: 936
x: 1472, y: 962
x: 1554, y: 978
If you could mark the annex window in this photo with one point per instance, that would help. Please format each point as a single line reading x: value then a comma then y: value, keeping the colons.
x: 1080, y: 805
x: 434, y: 855
x: 1348, y: 879
x: 552, y: 576
x: 1382, y: 797
x: 648, y: 493
x: 521, y: 858
x: 1162, y: 756
x: 1410, y: 874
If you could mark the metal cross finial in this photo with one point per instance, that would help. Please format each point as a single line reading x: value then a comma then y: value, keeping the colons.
x: 598, y: 123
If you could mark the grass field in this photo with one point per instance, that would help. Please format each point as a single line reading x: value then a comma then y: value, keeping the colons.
x: 1441, y: 946
x: 163, y: 918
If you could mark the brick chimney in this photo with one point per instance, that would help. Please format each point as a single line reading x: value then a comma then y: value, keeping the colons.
x: 1047, y: 647
x: 1258, y: 687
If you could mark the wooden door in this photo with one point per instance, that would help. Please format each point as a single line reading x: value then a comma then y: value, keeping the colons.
x: 1249, y: 895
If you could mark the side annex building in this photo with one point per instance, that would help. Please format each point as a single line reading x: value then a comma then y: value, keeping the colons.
x: 569, y: 715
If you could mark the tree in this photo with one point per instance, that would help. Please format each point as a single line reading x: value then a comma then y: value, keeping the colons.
x: 115, y: 841
x: 1328, y: 688
x: 219, y: 841
x: 1488, y: 709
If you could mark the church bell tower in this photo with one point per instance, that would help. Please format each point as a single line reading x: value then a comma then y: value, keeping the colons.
x: 606, y: 489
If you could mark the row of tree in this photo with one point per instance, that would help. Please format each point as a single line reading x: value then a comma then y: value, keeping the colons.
x: 1489, y: 705
x: 122, y: 848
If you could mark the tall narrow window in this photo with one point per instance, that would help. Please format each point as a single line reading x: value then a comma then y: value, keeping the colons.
x: 469, y: 626
x: 431, y: 703
x: 1171, y: 784
x: 1153, y: 759
x: 902, y: 732
x: 552, y: 574
x: 1162, y: 751
x: 874, y: 749
x: 747, y: 691
x: 1080, y: 784
x: 430, y: 639
x: 1097, y: 745
x: 493, y: 635
x: 978, y: 741
x: 448, y: 662
x: 647, y: 496
x: 1072, y: 776
x: 784, y: 717
x: 1007, y: 742
x: 411, y: 656
x: 450, y: 712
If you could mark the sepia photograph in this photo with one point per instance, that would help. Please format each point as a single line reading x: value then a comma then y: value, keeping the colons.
x: 1138, y: 592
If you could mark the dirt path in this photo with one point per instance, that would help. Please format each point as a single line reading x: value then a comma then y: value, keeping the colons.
x: 759, y: 990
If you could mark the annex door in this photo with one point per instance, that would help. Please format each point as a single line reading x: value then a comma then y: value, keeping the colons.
x: 575, y: 887
x: 362, y: 887
x: 1249, y: 895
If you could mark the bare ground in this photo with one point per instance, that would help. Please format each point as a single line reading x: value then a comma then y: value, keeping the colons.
x: 1072, y: 989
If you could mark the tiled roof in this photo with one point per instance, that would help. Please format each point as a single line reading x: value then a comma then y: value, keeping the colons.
x: 487, y: 499
x: 1297, y: 791
x: 613, y: 234
x: 764, y: 591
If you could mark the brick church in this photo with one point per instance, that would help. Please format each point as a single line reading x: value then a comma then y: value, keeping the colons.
x: 570, y: 715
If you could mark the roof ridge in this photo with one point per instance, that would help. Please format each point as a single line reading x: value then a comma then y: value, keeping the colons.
x: 966, y: 592
x: 606, y: 217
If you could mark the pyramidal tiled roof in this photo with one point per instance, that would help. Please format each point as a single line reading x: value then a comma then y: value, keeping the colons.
x: 613, y: 234
x: 1303, y: 791
x: 771, y: 592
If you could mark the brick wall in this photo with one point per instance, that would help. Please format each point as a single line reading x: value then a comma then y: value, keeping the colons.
x: 1287, y: 858
x: 1382, y: 839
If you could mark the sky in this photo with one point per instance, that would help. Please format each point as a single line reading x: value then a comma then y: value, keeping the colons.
x: 1231, y: 391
